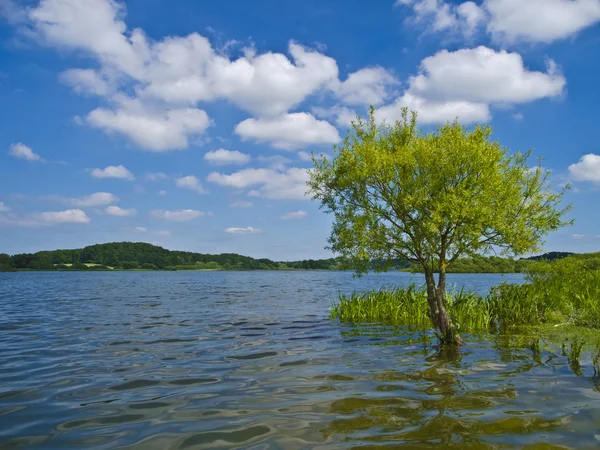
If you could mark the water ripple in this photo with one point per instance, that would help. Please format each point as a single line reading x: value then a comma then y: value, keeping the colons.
x: 185, y: 360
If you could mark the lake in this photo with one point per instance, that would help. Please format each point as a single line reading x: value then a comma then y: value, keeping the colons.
x: 174, y: 360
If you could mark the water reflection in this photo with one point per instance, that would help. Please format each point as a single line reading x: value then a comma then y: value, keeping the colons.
x: 175, y: 360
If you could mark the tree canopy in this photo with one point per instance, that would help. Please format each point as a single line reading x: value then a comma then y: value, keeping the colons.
x: 397, y: 192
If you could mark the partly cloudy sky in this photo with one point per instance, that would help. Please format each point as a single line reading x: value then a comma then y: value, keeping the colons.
x: 189, y: 124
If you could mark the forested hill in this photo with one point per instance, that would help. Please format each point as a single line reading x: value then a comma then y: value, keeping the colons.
x: 139, y: 255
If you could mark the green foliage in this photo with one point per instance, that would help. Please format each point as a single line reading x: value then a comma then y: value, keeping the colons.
x: 396, y: 192
x: 6, y: 263
x: 134, y: 255
x: 410, y: 307
x: 79, y: 266
x: 564, y: 291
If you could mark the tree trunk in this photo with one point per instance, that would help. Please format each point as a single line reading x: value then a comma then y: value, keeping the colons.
x: 437, y: 305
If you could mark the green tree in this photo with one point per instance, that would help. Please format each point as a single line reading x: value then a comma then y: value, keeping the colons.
x: 396, y: 192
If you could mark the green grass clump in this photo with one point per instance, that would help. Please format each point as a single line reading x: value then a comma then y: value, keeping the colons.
x: 409, y: 307
x: 565, y: 292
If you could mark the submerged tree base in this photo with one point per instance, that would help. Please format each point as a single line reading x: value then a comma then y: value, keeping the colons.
x: 560, y: 296
x: 408, y: 306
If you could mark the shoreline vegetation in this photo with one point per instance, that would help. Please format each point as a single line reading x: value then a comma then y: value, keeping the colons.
x: 121, y: 256
x: 562, y: 293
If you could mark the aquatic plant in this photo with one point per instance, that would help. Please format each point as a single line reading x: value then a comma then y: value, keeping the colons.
x: 409, y: 306
x: 561, y: 293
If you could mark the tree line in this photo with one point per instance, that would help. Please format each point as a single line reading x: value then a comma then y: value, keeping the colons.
x: 143, y: 256
x: 139, y: 255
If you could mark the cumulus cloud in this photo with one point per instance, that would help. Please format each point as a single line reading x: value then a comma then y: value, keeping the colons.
x: 113, y: 172
x: 190, y: 182
x: 341, y: 115
x: 296, y: 215
x: 96, y: 199
x: 288, y: 184
x: 289, y: 131
x: 223, y: 157
x: 47, y: 218
x: 21, y: 151
x: 169, y: 77
x: 154, y: 131
x: 509, y: 21
x: 466, y: 82
x: 86, y: 81
x: 4, y: 208
x: 246, y: 230
x: 67, y: 216
x: 368, y: 86
x: 141, y: 229
x: 161, y: 193
x: 181, y: 215
x: 587, y: 169
x: 76, y: 216
x: 121, y: 212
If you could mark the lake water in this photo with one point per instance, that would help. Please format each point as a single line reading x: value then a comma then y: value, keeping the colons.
x: 173, y: 360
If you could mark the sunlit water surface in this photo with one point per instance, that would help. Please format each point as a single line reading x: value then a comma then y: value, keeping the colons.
x: 173, y: 360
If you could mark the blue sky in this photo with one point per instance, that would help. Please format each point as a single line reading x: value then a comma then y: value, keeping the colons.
x: 188, y: 124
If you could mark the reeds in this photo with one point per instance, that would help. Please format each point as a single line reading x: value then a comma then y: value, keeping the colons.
x: 564, y: 292
x: 408, y: 306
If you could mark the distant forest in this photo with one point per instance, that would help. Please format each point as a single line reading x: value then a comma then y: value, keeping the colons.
x: 143, y: 256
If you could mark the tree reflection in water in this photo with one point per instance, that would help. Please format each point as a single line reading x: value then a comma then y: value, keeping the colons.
x: 483, y: 396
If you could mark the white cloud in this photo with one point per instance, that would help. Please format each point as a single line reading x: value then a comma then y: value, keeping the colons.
x: 223, y: 157
x: 67, y: 216
x: 441, y: 16
x: 21, y: 151
x: 509, y: 21
x: 177, y: 216
x: 121, y: 212
x: 113, y: 172
x: 188, y: 70
x: 86, y: 81
x: 97, y: 199
x: 290, y: 131
x: 304, y: 156
x: 237, y: 204
x: 431, y: 111
x: 141, y: 229
x: 368, y: 86
x: 156, y: 176
x: 296, y: 215
x: 342, y: 115
x: 587, y: 169
x: 484, y: 75
x: 190, y: 182
x: 178, y: 72
x: 44, y: 219
x: 579, y: 236
x: 540, y: 20
x: 465, y: 83
x: 276, y: 162
x: 269, y: 183
x: 151, y: 130
x: 4, y: 208
x: 246, y: 230
x: 161, y: 193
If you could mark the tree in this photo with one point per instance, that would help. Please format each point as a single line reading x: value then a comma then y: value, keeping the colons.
x: 397, y: 192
